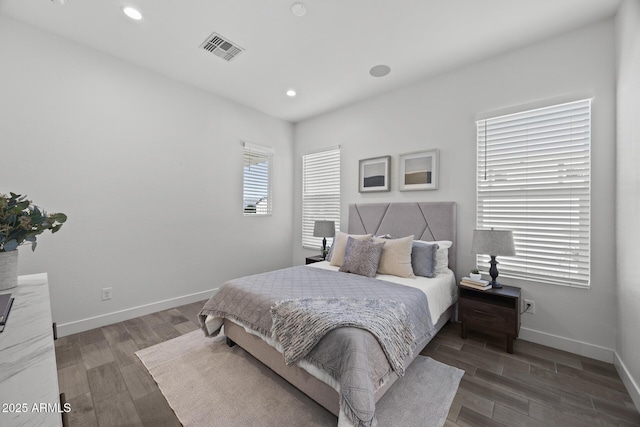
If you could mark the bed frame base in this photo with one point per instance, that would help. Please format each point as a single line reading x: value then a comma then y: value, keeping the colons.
x: 317, y: 390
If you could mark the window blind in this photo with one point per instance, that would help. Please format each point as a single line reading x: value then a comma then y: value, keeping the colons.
x: 256, y: 195
x: 533, y: 177
x: 320, y: 193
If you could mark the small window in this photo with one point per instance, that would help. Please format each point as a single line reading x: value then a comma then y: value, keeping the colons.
x: 320, y: 193
x: 534, y: 178
x: 257, y: 195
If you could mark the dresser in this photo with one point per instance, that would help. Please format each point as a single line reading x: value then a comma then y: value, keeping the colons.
x: 29, y: 394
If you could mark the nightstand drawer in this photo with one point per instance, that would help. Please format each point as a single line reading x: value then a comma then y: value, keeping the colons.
x: 495, y: 317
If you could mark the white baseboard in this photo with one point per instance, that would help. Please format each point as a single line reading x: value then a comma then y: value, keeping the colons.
x: 82, y: 325
x: 627, y: 379
x: 572, y: 346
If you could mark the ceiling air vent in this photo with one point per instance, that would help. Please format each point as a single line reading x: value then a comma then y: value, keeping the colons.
x: 221, y: 47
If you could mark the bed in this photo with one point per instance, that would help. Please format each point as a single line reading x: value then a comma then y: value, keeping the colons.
x: 314, y: 374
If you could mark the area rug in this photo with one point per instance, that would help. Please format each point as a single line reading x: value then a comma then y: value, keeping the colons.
x: 208, y: 383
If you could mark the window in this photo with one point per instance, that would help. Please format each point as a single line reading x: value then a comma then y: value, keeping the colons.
x: 534, y: 179
x: 320, y: 192
x: 256, y: 194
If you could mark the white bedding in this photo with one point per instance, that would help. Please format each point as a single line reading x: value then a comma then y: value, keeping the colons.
x: 441, y: 290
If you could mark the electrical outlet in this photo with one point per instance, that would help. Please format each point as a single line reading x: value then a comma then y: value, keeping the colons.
x: 532, y: 306
x: 106, y: 293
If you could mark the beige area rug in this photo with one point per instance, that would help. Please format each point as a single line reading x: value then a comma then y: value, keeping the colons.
x: 208, y: 383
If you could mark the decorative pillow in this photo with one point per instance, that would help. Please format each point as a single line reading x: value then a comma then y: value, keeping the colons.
x: 340, y: 246
x: 423, y: 258
x: 330, y: 253
x: 442, y: 254
x: 396, y: 256
x: 362, y: 257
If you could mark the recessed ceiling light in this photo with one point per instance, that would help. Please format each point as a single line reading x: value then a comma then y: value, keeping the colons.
x: 291, y: 93
x: 298, y: 9
x: 380, y: 70
x: 132, y: 13
x: 59, y: 1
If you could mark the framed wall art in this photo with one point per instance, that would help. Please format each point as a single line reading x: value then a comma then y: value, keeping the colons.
x: 419, y: 171
x: 375, y: 174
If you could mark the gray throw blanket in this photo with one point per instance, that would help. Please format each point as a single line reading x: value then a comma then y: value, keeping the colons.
x: 299, y: 324
x: 352, y: 356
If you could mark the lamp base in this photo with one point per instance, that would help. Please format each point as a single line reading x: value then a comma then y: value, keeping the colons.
x: 324, y: 248
x: 496, y: 285
x: 493, y: 272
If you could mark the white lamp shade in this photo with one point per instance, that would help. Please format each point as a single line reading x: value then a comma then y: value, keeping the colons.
x: 324, y: 229
x: 493, y: 242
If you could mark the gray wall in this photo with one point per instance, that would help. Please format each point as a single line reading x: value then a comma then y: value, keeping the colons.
x: 440, y: 112
x: 148, y: 170
x: 628, y: 194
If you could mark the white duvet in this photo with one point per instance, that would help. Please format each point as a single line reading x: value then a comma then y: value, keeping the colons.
x: 441, y: 290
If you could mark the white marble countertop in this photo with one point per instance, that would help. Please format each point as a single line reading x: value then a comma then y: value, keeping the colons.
x: 29, y: 393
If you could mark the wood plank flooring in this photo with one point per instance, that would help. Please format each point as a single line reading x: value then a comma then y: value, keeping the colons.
x: 107, y: 385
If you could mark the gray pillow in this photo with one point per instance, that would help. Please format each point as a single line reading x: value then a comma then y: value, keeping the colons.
x: 362, y: 257
x: 423, y: 258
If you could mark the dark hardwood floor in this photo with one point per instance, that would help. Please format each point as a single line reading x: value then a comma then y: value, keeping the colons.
x: 107, y: 385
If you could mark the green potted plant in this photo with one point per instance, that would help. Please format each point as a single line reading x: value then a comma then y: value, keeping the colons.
x: 475, y: 274
x: 20, y: 222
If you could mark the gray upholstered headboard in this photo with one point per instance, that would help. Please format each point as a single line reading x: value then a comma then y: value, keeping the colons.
x: 425, y: 221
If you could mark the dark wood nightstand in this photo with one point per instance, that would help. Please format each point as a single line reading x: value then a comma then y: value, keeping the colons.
x: 494, y: 311
x: 312, y: 259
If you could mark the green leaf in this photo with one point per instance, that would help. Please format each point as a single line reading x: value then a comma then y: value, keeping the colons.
x: 22, y: 205
x: 11, y: 245
x: 60, y: 217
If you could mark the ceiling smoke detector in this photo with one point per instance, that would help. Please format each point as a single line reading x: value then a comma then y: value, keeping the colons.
x: 380, y: 70
x: 299, y: 9
x: 221, y: 47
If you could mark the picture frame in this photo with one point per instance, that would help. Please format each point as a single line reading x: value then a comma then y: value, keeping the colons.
x: 419, y: 170
x: 375, y: 174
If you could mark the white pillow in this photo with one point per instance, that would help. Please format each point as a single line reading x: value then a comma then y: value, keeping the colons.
x: 442, y: 255
x: 340, y: 246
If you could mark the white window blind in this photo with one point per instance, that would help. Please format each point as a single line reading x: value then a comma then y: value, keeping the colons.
x: 256, y: 195
x: 320, y: 193
x: 534, y: 179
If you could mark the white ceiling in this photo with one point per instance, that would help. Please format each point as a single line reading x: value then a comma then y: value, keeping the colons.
x: 325, y: 55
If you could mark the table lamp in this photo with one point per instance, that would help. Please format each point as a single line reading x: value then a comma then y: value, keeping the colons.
x: 324, y: 229
x: 493, y: 243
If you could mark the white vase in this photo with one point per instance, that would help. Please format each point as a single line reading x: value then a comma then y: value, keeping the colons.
x: 8, y: 270
x: 475, y: 276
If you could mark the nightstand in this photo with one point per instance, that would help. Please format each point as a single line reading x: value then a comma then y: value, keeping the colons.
x: 312, y: 259
x: 495, y: 311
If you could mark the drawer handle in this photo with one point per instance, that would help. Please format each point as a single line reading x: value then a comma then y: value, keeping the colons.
x: 485, y: 313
